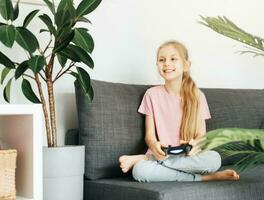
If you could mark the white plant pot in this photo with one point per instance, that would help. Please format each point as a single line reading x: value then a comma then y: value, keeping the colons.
x: 63, y: 170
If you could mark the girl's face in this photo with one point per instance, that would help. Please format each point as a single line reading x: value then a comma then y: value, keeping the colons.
x: 170, y: 63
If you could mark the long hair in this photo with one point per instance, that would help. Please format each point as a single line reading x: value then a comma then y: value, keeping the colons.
x: 189, y: 93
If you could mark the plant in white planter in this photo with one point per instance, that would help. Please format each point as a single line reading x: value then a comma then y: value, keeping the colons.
x: 69, y: 42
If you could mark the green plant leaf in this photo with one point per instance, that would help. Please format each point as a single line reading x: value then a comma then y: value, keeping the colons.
x: 86, y: 7
x: 6, y: 9
x: 28, y: 92
x: 83, y: 55
x: 7, y: 91
x: 26, y: 39
x: 69, y: 53
x: 85, y: 83
x: 5, y: 72
x: 6, y: 61
x: 226, y: 27
x: 83, y: 39
x: 62, y: 60
x: 246, y: 144
x: 16, y: 11
x: 51, y: 6
x: 29, y: 17
x: 22, y: 67
x: 84, y: 19
x: 7, y: 35
x: 36, y: 63
x: 223, y: 136
x: 46, y: 19
x: 65, y: 13
x: 63, y: 42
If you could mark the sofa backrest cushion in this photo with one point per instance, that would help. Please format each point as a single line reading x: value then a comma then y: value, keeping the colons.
x: 110, y: 126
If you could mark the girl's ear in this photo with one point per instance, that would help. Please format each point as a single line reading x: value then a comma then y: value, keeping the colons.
x: 187, y: 66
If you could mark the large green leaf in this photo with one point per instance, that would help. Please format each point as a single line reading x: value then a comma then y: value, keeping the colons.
x: 83, y: 55
x: 5, y: 72
x: 85, y: 82
x: 50, y: 5
x: 22, y: 67
x: 7, y: 35
x: 36, y: 63
x: 16, y: 11
x: 62, y: 60
x: 6, y: 9
x: 86, y: 7
x: 63, y: 42
x: 7, y: 91
x: 65, y: 13
x: 29, y: 17
x: 28, y: 92
x: 83, y: 39
x: 46, y: 19
x: 245, y: 145
x: 26, y: 39
x: 6, y: 61
x: 223, y: 136
x: 68, y: 52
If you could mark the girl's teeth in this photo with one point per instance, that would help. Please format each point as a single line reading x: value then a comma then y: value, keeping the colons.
x: 170, y: 70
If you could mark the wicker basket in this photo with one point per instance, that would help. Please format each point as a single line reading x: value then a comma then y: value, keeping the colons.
x: 7, y: 174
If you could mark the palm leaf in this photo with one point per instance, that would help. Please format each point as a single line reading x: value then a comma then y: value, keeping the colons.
x: 226, y: 27
x: 245, y: 144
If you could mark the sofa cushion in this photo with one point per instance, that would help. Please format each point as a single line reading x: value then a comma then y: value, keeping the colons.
x: 110, y: 126
x: 250, y: 186
x: 243, y: 108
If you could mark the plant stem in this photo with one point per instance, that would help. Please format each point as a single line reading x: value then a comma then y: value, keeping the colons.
x: 44, y: 108
x: 59, y: 75
x: 52, y: 112
x: 51, y: 100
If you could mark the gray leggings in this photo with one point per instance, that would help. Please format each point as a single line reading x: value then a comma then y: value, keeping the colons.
x: 177, y: 167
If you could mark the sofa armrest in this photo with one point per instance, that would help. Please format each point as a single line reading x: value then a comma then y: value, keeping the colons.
x: 72, y: 137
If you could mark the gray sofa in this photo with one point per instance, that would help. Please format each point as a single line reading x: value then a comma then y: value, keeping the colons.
x: 110, y: 126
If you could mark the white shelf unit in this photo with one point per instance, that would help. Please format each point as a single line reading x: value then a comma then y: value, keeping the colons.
x: 21, y: 128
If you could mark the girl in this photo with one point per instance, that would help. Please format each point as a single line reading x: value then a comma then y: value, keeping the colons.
x: 175, y: 114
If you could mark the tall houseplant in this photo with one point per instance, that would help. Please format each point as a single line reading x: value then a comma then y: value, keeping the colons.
x: 246, y: 144
x: 69, y: 42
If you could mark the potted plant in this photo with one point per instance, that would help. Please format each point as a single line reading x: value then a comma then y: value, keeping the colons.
x: 245, y: 145
x: 70, y: 43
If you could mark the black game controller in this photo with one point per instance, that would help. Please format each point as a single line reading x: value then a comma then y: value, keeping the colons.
x: 176, y: 150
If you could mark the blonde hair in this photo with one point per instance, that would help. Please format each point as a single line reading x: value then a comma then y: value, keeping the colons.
x: 189, y: 93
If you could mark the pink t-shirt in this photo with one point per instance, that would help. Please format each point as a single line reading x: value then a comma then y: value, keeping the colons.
x: 167, y: 114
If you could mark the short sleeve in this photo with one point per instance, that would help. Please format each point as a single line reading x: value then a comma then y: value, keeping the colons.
x: 205, y: 112
x: 146, y: 106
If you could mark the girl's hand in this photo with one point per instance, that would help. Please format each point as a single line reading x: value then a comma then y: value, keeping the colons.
x: 155, y: 147
x: 195, y: 147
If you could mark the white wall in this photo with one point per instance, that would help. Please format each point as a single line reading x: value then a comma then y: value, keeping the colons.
x: 127, y: 34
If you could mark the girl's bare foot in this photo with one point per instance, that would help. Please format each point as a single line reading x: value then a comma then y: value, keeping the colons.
x: 127, y: 162
x: 227, y: 174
